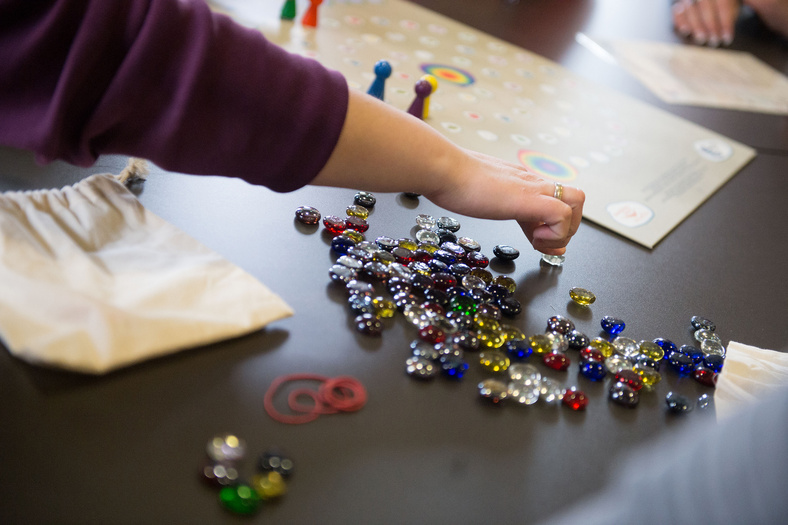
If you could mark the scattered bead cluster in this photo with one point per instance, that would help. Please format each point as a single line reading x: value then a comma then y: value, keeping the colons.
x: 221, y: 469
x: 441, y: 284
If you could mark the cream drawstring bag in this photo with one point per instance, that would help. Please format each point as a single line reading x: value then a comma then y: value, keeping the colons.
x: 91, y: 281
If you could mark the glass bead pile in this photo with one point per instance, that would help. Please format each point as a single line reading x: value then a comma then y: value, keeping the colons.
x: 222, y: 467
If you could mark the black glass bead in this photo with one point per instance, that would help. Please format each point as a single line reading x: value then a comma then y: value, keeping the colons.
x: 449, y: 223
x: 498, y: 292
x: 369, y: 324
x: 506, y: 252
x: 376, y: 270
x: 490, y: 310
x: 459, y: 291
x: 481, y: 295
x: 220, y: 474
x: 466, y: 340
x: 445, y: 235
x: 693, y: 352
x: 453, y: 367
x: 276, y: 461
x: 342, y: 274
x: 459, y: 269
x: 714, y: 362
x: 677, y: 403
x: 438, y: 266
x: 577, y: 340
x: 436, y: 296
x: 411, y: 195
x: 398, y: 284
x: 469, y: 244
x: 421, y: 283
x: 449, y: 348
x: 624, y: 395
x: 701, y: 323
x: 386, y: 243
x: 510, y: 306
x: 477, y: 260
x: 560, y: 324
x: 341, y: 244
x: 307, y: 215
x: 518, y: 349
x: 364, y: 198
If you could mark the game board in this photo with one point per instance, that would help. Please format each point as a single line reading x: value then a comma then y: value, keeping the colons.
x: 643, y: 169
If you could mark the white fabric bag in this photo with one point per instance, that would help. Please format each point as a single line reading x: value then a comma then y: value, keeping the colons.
x: 91, y: 281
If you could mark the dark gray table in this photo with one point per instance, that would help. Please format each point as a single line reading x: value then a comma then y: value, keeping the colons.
x: 126, y: 447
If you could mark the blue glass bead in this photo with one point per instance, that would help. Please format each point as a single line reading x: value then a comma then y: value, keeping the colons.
x: 438, y: 266
x: 714, y: 362
x: 307, y: 215
x: 518, y: 349
x: 666, y: 344
x: 624, y: 395
x: 677, y: 403
x: 701, y: 323
x: 693, y: 352
x: 506, y: 252
x: 593, y: 370
x: 449, y: 223
x: 560, y: 324
x: 457, y: 291
x: 445, y: 256
x: 453, y: 247
x: 364, y: 198
x: 577, y: 340
x: 341, y: 244
x: 510, y: 306
x: 612, y: 325
x: 498, y: 291
x: 453, y: 366
x: 386, y: 243
x: 682, y: 364
x: 647, y: 362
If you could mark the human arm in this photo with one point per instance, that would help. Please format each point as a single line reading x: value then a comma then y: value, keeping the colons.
x: 384, y: 149
x: 713, y: 22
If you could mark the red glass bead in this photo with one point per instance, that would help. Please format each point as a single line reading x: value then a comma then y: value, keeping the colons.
x: 432, y: 334
x: 591, y: 354
x: 334, y: 224
x: 705, y: 376
x: 556, y: 361
x: 444, y: 281
x: 575, y: 399
x: 402, y: 255
x: 630, y: 378
x: 422, y: 256
x: 357, y: 223
x: 477, y: 260
x: 435, y: 308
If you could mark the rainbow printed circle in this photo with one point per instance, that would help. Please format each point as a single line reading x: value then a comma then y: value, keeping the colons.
x: 449, y: 74
x: 546, y: 165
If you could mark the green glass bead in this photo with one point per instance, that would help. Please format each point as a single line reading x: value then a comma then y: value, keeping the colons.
x: 651, y: 350
x: 384, y: 308
x: 494, y: 360
x: 507, y: 282
x: 540, y: 344
x: 582, y: 296
x: 354, y: 210
x: 240, y: 499
x: 462, y: 304
x: 606, y: 348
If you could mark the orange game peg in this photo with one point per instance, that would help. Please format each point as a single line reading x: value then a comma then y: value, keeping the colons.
x: 310, y: 17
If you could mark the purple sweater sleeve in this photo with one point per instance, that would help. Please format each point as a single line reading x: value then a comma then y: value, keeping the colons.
x: 167, y: 80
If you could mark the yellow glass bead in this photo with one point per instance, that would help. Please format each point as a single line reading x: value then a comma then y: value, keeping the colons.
x: 651, y: 350
x: 582, y: 296
x: 540, y: 343
x: 507, y: 282
x: 482, y: 274
x: 354, y: 210
x: 606, y: 348
x: 487, y: 323
x: 269, y: 485
x: 510, y: 333
x: 408, y: 244
x: 494, y: 360
x: 429, y: 247
x: 382, y: 256
x: 648, y: 375
x: 384, y: 308
x: 353, y: 235
x: 489, y: 339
